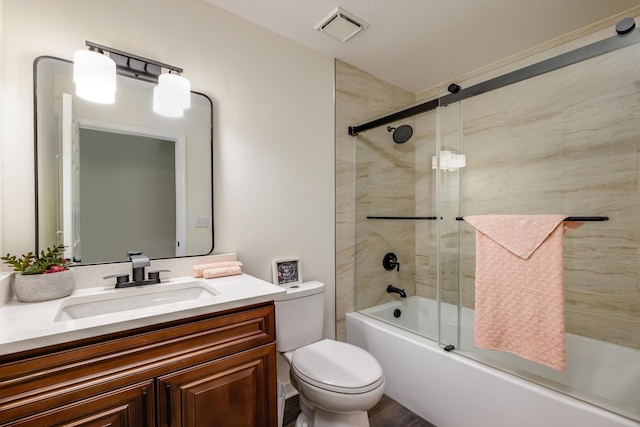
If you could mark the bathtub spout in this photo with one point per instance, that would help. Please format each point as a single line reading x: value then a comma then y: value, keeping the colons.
x: 401, y: 292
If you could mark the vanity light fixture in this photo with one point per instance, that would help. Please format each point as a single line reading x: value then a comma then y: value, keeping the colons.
x: 172, y: 95
x: 94, y: 75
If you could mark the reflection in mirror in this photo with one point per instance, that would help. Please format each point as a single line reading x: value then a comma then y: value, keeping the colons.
x: 118, y: 177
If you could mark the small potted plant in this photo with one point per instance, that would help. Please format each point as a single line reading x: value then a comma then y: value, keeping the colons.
x: 42, y: 277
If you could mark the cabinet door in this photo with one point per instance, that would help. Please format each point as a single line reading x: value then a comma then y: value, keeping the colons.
x: 235, y: 391
x: 127, y: 407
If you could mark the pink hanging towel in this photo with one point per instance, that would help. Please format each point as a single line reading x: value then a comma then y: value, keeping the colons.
x: 519, y: 302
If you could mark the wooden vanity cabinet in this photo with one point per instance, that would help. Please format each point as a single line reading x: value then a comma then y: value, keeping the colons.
x: 209, y: 370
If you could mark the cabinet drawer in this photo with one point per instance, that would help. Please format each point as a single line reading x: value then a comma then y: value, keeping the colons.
x: 62, y: 376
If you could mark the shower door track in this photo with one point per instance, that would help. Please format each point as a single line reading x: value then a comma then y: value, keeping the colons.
x: 560, y: 61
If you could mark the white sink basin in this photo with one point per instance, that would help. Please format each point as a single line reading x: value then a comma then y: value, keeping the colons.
x: 121, y: 300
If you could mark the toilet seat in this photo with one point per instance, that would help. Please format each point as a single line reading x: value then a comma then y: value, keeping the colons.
x: 337, y: 366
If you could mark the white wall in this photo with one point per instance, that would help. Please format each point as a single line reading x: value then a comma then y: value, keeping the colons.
x: 2, y: 126
x: 273, y: 119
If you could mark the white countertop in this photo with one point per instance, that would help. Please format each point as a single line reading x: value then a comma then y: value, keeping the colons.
x: 25, y: 326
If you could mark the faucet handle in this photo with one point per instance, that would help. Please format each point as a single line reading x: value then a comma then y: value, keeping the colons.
x: 390, y: 261
x: 155, y: 274
x: 120, y: 277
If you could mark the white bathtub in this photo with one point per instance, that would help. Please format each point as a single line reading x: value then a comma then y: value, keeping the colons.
x: 449, y: 389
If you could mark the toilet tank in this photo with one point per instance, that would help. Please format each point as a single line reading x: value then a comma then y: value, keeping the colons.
x: 300, y: 316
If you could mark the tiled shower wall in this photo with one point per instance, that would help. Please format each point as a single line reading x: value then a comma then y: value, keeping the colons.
x: 359, y: 97
x: 567, y: 142
x: 385, y: 187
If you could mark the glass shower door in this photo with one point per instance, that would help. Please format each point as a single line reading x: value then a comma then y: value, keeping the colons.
x: 447, y: 165
x: 396, y: 214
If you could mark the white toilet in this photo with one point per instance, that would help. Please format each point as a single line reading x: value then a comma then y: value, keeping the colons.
x: 337, y: 382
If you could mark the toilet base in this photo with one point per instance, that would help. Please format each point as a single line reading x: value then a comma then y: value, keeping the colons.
x: 327, y: 419
x: 313, y: 416
x: 303, y: 421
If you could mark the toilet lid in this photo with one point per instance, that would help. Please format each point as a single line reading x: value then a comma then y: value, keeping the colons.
x: 337, y: 366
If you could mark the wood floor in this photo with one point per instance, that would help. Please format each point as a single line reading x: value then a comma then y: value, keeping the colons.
x: 387, y: 413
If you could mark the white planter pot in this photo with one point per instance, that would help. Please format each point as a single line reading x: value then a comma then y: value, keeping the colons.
x: 43, y: 287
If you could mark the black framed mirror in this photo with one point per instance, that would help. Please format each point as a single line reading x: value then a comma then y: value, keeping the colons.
x: 118, y: 177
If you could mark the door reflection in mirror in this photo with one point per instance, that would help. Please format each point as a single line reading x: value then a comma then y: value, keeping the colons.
x: 133, y: 178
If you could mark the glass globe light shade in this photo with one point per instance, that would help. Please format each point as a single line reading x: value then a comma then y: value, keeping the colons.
x: 172, y: 95
x: 95, y: 76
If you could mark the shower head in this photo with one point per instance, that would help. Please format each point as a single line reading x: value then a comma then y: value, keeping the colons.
x: 401, y: 134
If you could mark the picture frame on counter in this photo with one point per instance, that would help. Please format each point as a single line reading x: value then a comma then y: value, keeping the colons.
x: 287, y: 271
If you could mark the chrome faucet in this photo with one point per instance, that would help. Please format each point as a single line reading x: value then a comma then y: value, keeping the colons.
x: 393, y: 289
x: 138, y: 263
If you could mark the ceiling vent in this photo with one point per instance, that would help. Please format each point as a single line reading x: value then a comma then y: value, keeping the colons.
x: 341, y: 25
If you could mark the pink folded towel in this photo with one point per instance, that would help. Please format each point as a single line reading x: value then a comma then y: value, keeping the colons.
x: 519, y: 302
x: 211, y: 273
x: 198, y: 270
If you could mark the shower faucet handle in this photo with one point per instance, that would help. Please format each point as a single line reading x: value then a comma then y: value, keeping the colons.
x: 390, y: 261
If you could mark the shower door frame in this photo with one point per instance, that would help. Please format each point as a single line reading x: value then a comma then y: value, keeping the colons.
x: 562, y: 60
